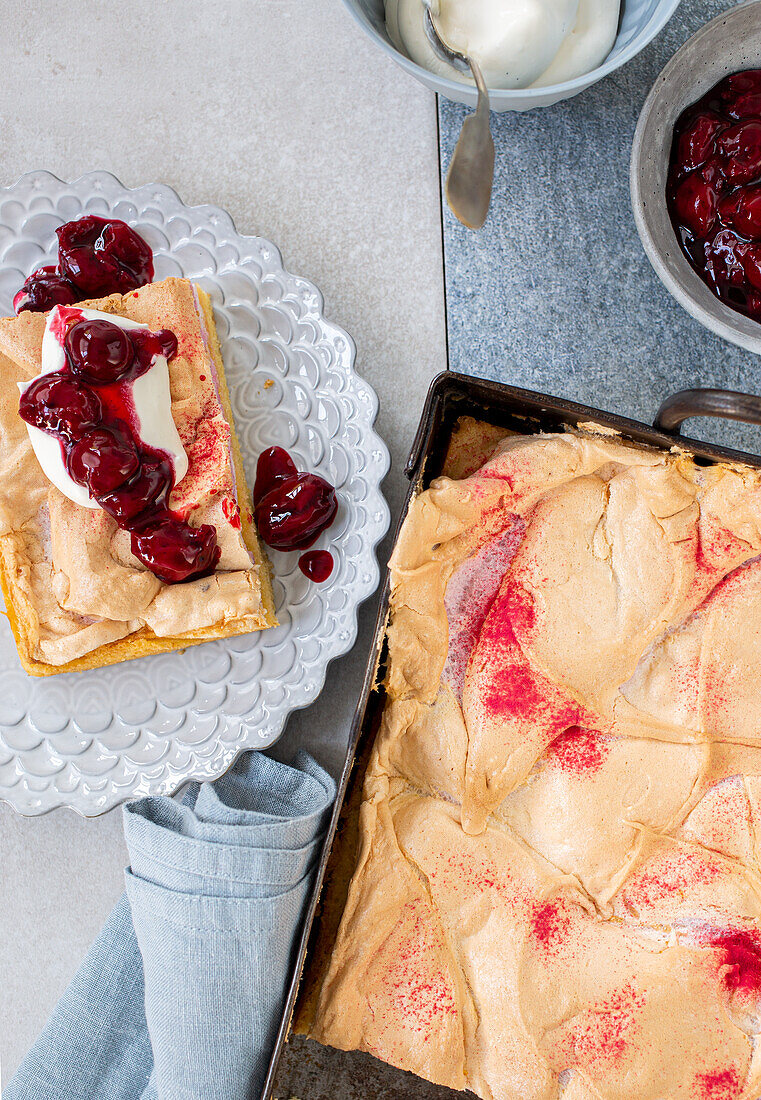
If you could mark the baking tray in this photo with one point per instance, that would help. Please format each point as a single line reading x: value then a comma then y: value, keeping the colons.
x: 450, y: 397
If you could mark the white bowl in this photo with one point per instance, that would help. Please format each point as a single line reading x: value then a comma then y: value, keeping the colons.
x: 640, y: 22
x: 725, y: 45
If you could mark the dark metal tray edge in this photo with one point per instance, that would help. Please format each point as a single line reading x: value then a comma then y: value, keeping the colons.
x: 452, y: 395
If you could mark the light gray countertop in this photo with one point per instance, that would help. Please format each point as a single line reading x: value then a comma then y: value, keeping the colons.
x: 283, y: 114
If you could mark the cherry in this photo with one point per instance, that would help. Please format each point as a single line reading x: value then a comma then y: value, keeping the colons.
x: 99, y: 351
x: 738, y: 84
x: 147, y: 345
x: 695, y: 204
x: 295, y: 511
x: 58, y: 404
x: 43, y: 289
x: 103, y: 256
x: 725, y: 258
x: 752, y: 265
x: 147, y: 491
x: 742, y: 211
x: 746, y: 106
x: 274, y: 465
x: 714, y: 189
x: 317, y: 565
x: 740, y: 146
x: 696, y: 143
x: 175, y: 551
x: 103, y: 459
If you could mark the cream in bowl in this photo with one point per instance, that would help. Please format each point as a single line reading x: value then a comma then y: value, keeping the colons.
x: 517, y: 43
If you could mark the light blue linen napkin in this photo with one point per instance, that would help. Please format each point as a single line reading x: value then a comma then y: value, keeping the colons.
x: 180, y: 996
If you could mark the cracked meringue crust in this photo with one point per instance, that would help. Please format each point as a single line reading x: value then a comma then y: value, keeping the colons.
x: 76, y: 597
x: 558, y: 888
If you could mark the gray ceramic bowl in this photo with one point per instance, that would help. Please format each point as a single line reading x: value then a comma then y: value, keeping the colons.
x: 641, y: 20
x: 726, y: 44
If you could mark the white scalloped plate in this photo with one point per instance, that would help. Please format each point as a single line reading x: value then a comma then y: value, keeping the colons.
x: 90, y: 740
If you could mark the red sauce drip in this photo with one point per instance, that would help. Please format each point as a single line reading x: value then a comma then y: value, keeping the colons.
x: 96, y: 257
x: 317, y: 565
x: 232, y: 512
x: 714, y: 189
x: 719, y: 1084
x: 88, y: 407
x: 292, y: 509
x: 578, y: 751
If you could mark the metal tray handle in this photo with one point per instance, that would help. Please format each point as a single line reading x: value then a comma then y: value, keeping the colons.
x: 724, y: 403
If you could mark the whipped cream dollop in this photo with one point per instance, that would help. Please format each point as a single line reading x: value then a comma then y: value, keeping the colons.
x: 149, y: 398
x: 517, y: 43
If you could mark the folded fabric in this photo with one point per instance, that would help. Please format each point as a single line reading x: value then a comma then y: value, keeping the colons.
x: 180, y: 996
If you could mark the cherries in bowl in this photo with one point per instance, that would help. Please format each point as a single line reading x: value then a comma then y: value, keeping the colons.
x: 729, y: 44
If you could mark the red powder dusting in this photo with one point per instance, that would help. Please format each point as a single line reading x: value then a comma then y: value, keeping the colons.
x: 515, y: 689
x: 597, y: 1040
x: 551, y: 925
x: 716, y: 548
x: 469, y: 595
x: 420, y: 991
x: 719, y: 1084
x: 519, y: 606
x: 458, y: 873
x: 66, y: 315
x: 202, y: 377
x: 740, y: 960
x: 232, y: 512
x: 578, y: 751
x: 671, y: 876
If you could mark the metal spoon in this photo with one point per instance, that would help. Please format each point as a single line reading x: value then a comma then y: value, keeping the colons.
x: 471, y: 170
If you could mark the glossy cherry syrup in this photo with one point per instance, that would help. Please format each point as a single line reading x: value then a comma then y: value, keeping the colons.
x: 103, y: 256
x: 714, y: 189
x: 96, y: 257
x: 292, y: 509
x: 88, y: 407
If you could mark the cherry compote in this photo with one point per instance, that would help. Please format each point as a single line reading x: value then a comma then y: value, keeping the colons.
x: 292, y: 509
x: 87, y: 407
x: 103, y: 459
x: 96, y: 256
x: 61, y: 405
x: 714, y: 189
x: 103, y: 255
x: 174, y: 550
x: 43, y: 289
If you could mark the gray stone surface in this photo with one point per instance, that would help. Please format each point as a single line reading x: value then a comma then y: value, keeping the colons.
x: 555, y: 292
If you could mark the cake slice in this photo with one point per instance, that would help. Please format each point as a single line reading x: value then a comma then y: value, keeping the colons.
x: 76, y: 595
